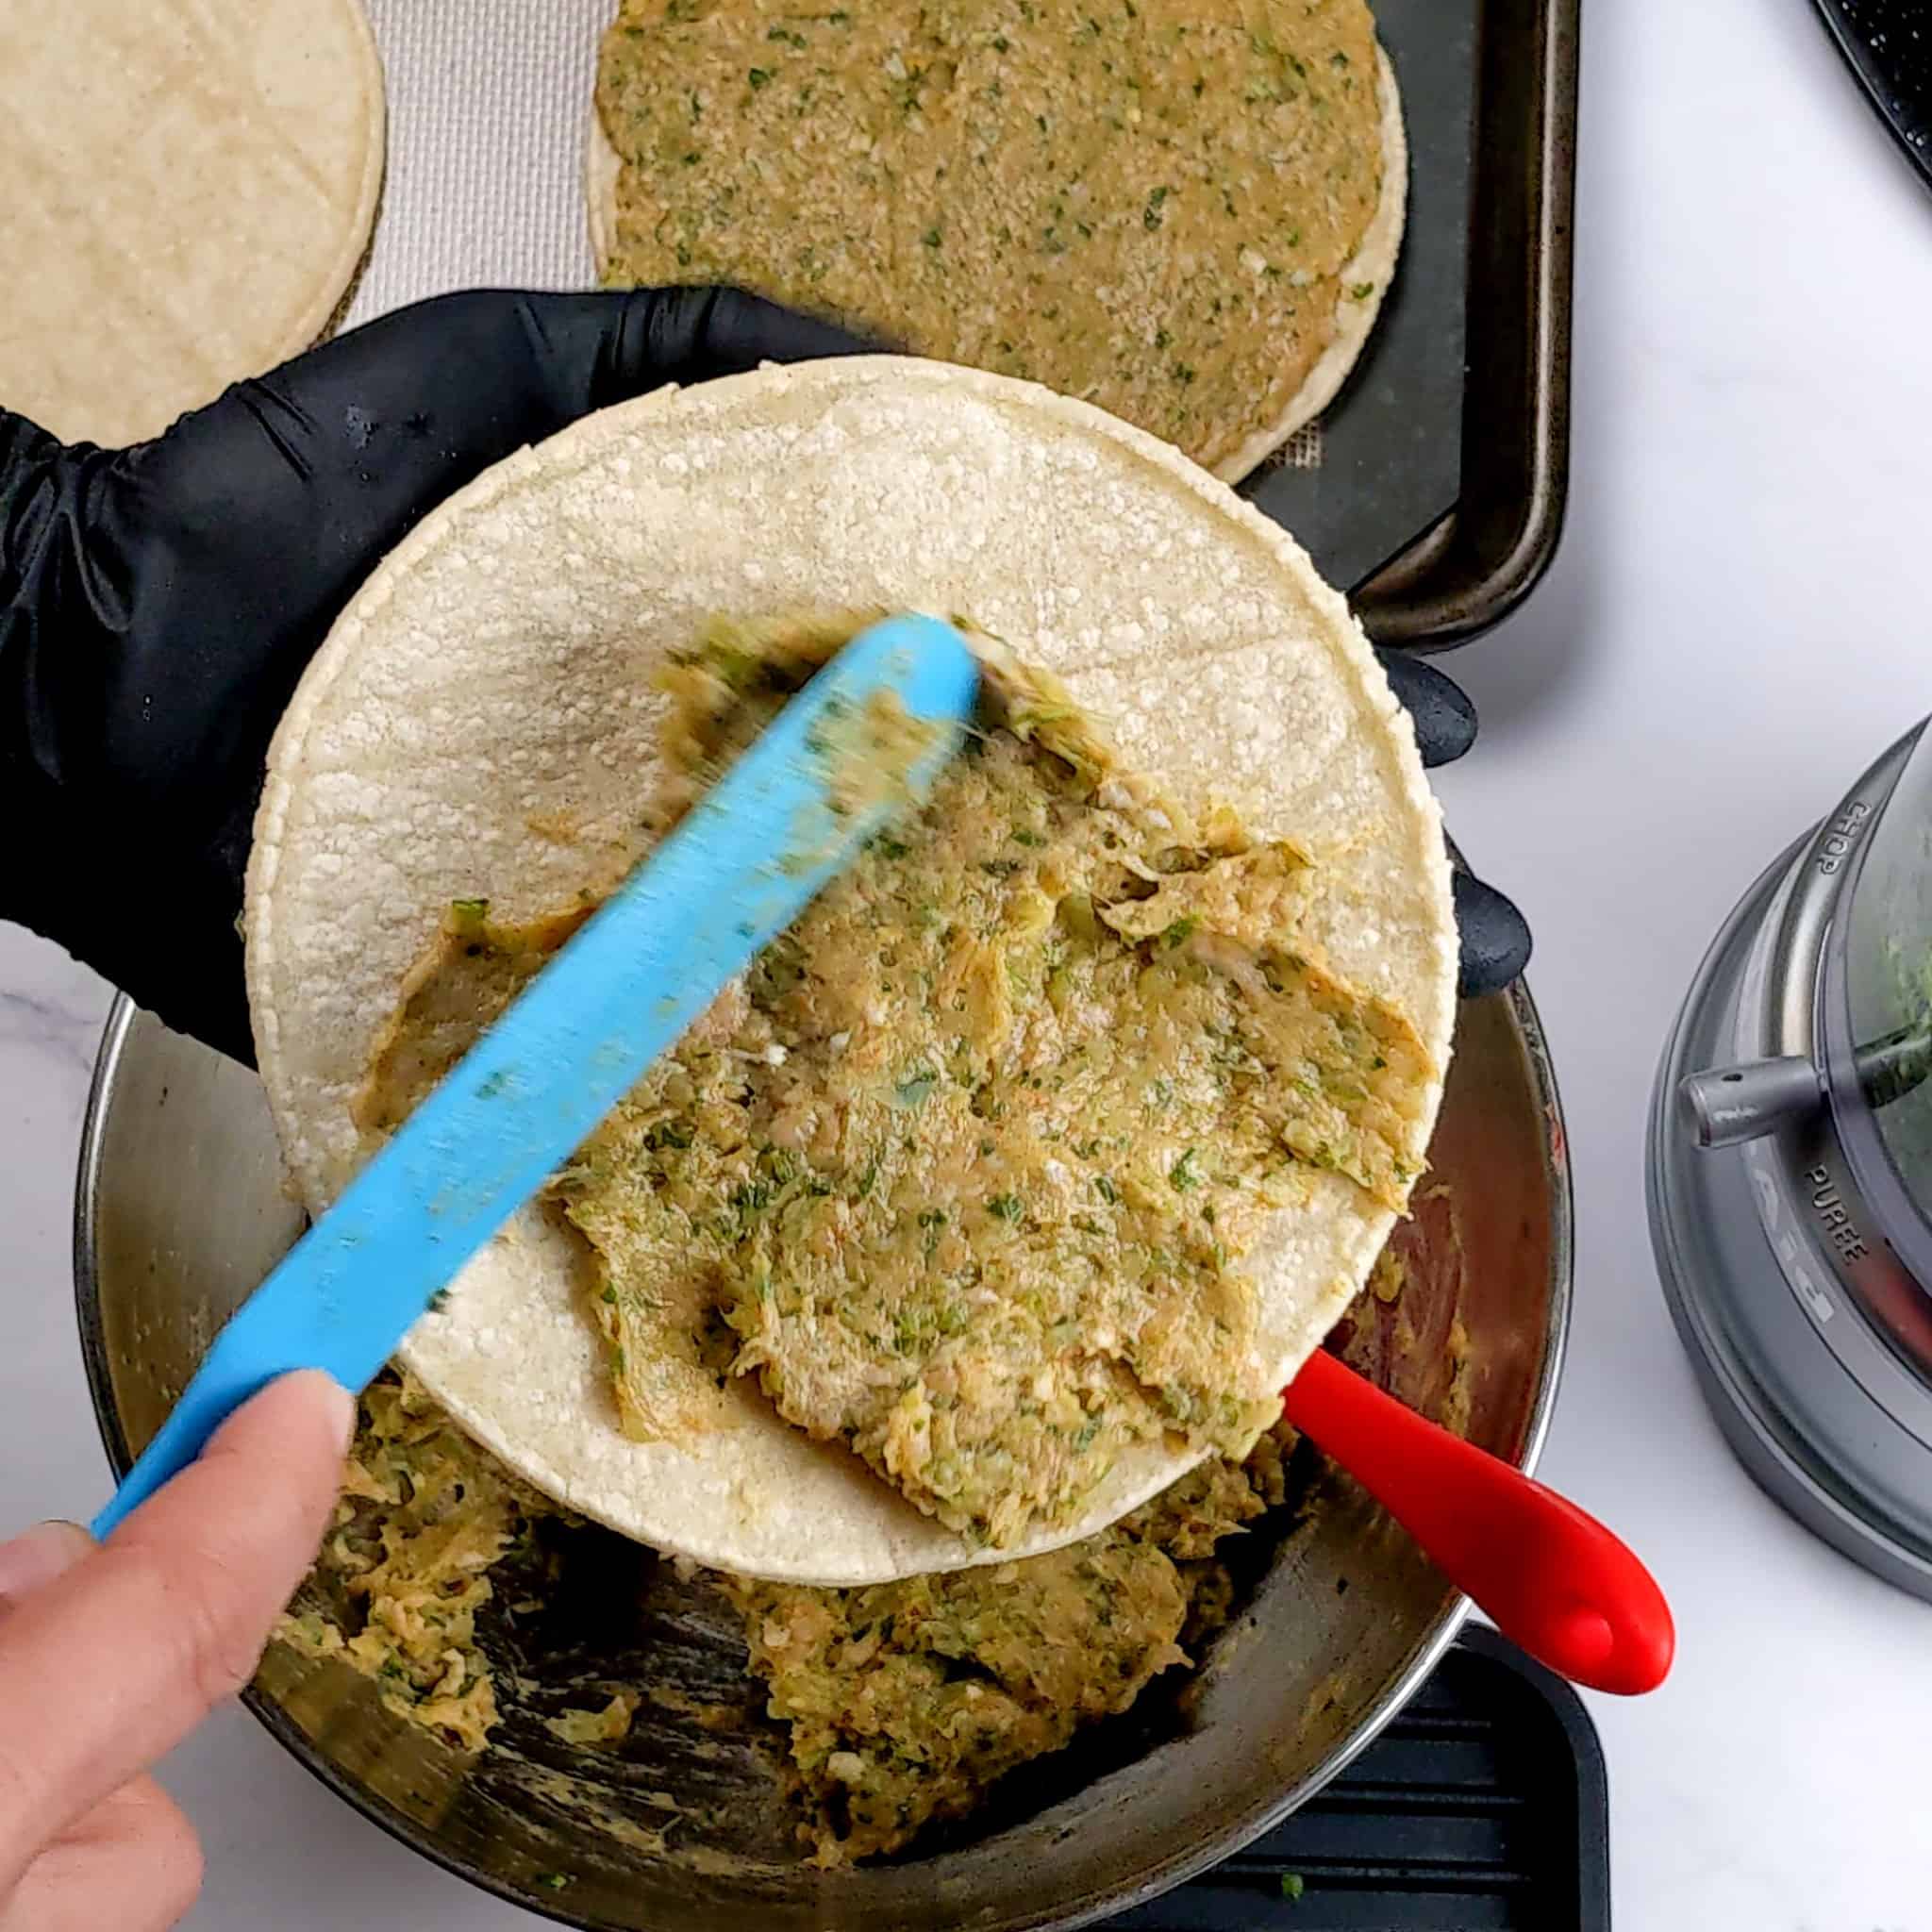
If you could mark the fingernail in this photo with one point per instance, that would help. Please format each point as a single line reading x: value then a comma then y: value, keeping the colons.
x: 36, y: 1558
x: 340, y: 1406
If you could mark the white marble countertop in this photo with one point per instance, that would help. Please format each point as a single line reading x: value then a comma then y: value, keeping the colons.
x: 1734, y: 625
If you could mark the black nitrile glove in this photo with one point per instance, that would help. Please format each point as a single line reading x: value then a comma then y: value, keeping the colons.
x: 1495, y: 935
x: 158, y: 604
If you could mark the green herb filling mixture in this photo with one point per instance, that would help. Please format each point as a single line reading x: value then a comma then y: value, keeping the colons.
x: 1150, y: 203
x: 901, y: 1703
x: 966, y: 1169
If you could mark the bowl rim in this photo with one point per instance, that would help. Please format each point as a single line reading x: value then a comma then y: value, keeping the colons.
x: 1247, y: 1824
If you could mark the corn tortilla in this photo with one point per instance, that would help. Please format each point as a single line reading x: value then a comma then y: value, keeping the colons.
x: 192, y: 188
x: 479, y: 719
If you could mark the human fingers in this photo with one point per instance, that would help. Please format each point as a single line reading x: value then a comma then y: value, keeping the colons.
x: 106, y: 1668
x: 35, y: 1558
x: 132, y: 1863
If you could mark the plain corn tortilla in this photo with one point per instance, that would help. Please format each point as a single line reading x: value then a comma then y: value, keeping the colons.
x: 483, y: 720
x: 1370, y: 271
x: 191, y: 187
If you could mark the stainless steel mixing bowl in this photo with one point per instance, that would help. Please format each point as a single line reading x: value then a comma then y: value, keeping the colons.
x: 682, y: 1829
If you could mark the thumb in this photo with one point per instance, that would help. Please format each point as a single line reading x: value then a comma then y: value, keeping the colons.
x: 108, y: 1666
x: 37, y: 1556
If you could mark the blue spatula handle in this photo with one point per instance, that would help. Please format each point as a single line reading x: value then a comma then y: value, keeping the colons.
x: 733, y: 875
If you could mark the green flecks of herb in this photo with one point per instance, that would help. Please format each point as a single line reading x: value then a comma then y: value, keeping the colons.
x: 1184, y: 1173
x: 839, y: 17
x: 868, y: 1180
x: 932, y: 1217
x: 438, y: 1301
x: 691, y: 159
x: 915, y: 1088
x: 1179, y: 932
x: 1200, y: 89
x: 1159, y: 1091
x: 1022, y: 836
x: 932, y: 237
x: 697, y: 110
x: 1104, y: 1187
x: 1000, y: 44
x: 1007, y: 1208
x: 1292, y: 1885
x: 617, y: 1361
x: 759, y: 76
x: 1182, y: 1404
x: 1151, y: 217
x: 469, y: 911
x: 791, y: 36
x: 609, y: 1296
x: 1361, y: 292
x: 1162, y: 338
x: 554, y: 1880
x: 1183, y: 373
x: 889, y: 847
x: 750, y: 1197
x: 1040, y: 121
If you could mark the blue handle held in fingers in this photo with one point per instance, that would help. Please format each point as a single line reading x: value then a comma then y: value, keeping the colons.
x: 752, y: 854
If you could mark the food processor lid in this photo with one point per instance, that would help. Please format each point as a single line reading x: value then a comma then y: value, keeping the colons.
x: 1874, y: 1018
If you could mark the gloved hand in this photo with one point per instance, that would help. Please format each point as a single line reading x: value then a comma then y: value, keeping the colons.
x: 1495, y: 935
x: 158, y: 604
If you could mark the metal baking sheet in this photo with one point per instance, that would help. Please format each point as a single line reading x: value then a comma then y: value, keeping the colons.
x: 1438, y: 491
x: 1438, y: 495
x: 1389, y: 446
x: 1483, y: 1807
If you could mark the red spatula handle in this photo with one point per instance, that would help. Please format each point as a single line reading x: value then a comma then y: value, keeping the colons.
x: 1552, y: 1579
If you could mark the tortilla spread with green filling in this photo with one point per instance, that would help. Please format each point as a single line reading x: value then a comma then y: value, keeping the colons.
x: 965, y: 1168
x: 1153, y: 205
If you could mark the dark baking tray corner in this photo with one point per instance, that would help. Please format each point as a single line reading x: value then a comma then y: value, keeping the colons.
x: 1484, y: 1807
x: 1438, y: 497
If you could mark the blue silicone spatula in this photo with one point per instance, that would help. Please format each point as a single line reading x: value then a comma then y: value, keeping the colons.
x: 747, y: 860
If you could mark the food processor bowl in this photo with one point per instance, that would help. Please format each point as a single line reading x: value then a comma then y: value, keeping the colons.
x: 1789, y: 1173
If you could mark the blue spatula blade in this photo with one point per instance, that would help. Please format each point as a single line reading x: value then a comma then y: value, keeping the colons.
x: 734, y: 874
